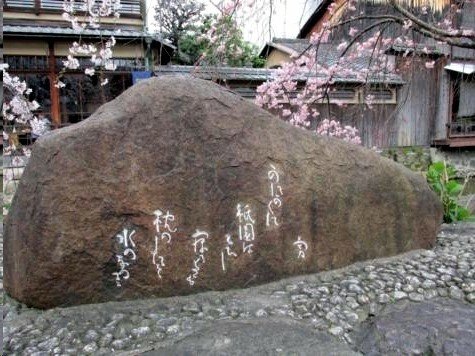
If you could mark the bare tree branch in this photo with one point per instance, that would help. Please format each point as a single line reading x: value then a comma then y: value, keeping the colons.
x: 426, y: 26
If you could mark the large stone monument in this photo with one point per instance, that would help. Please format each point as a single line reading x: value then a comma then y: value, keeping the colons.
x: 180, y: 186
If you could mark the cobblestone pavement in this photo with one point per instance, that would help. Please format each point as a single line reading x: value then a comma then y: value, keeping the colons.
x: 344, y: 305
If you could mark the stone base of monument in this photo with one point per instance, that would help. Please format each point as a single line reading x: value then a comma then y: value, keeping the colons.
x: 180, y: 186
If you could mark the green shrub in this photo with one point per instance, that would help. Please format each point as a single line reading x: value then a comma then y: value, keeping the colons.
x: 441, y: 178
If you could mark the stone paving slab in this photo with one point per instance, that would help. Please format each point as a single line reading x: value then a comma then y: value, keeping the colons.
x: 264, y: 336
x: 334, y: 308
x: 440, y: 326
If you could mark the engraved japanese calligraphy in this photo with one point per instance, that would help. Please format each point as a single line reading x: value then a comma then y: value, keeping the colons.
x: 276, y: 194
x: 163, y: 233
x: 126, y: 256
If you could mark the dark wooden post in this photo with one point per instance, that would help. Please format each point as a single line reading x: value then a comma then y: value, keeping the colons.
x: 37, y: 7
x: 54, y: 91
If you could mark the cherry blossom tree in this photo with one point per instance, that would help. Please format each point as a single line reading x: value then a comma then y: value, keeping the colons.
x: 19, y: 108
x: 175, y: 17
x: 19, y: 111
x: 277, y: 95
x: 222, y: 41
x: 283, y: 94
x: 398, y: 27
x: 87, y: 14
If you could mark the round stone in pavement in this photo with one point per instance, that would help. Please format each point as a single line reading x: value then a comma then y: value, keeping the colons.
x: 255, y: 337
x: 436, y: 327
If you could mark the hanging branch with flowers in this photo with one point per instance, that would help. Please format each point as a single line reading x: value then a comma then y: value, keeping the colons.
x: 396, y: 28
x: 83, y: 15
x: 18, y: 110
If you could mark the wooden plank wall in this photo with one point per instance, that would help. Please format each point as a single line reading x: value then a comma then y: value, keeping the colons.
x: 413, y: 121
x: 442, y: 115
x: 376, y: 125
x: 417, y: 103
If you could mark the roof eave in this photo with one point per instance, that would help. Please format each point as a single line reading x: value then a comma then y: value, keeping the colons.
x: 320, y: 11
x: 119, y: 37
x: 230, y: 73
x: 267, y: 49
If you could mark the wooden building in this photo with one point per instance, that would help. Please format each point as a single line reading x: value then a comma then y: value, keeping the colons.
x: 37, y: 40
x: 433, y: 107
x: 282, y: 50
x: 345, y: 97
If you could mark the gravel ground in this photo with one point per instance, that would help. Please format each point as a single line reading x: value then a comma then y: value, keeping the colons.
x: 338, y: 303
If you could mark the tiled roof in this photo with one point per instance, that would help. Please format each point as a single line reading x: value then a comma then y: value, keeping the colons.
x: 258, y: 74
x: 296, y: 44
x: 320, y: 7
x: 421, y: 49
x: 290, y: 46
x: 327, y: 54
x: 67, y: 32
x: 223, y: 73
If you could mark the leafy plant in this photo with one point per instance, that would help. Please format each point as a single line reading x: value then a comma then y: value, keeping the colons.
x: 176, y: 17
x: 441, y: 178
x: 217, y: 41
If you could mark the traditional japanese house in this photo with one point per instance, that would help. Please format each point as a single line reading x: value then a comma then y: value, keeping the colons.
x: 347, y: 91
x: 431, y: 107
x: 347, y: 95
x: 282, y: 50
x: 241, y: 80
x: 37, y: 40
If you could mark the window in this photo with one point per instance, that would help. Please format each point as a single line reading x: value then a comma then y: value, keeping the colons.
x: 379, y: 95
x: 40, y: 86
x: 82, y: 94
x: 463, y: 110
x: 343, y: 95
x: 128, y: 7
x: 26, y: 63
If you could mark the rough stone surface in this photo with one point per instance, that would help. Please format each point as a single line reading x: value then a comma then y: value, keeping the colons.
x: 191, y: 148
x: 256, y: 337
x: 435, y: 327
x: 139, y: 326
